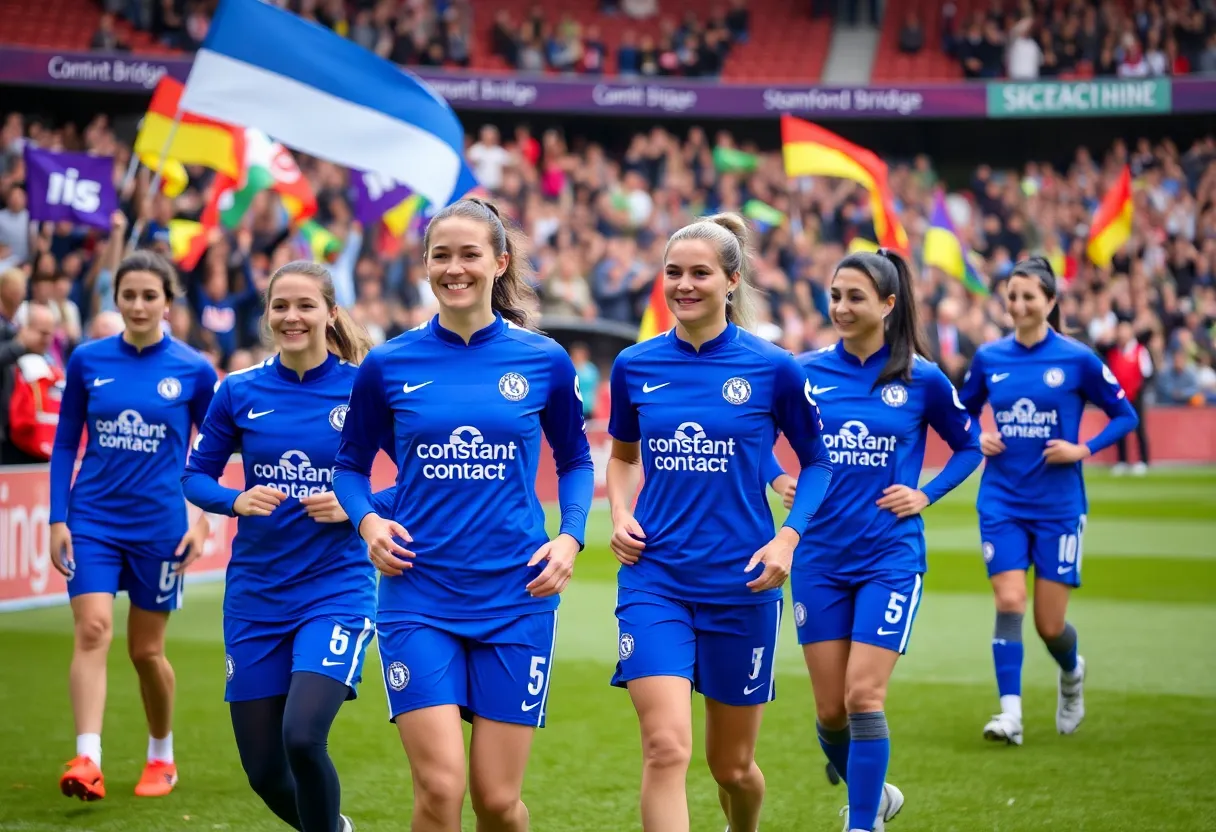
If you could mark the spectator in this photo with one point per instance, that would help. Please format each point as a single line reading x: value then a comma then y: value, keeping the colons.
x: 1179, y: 384
x: 1132, y: 366
x: 1025, y: 56
x: 911, y: 35
x: 489, y: 158
x: 640, y: 9
x: 15, y: 226
x: 33, y: 337
x: 106, y: 38
x: 13, y: 286
x: 738, y: 21
x: 628, y: 56
x: 588, y: 376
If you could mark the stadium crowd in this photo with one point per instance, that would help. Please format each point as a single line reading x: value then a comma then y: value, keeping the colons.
x: 1028, y: 39
x: 598, y: 224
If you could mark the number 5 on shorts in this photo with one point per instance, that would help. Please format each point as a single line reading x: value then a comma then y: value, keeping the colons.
x: 537, y: 675
x: 895, y: 608
x: 339, y: 641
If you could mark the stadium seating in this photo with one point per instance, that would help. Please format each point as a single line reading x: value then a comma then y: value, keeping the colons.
x: 64, y: 24
x: 931, y: 63
x: 785, y: 43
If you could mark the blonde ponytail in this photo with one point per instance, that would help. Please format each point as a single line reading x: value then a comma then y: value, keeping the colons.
x: 729, y: 236
x: 346, y: 339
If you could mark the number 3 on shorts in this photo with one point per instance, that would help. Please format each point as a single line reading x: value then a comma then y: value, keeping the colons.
x: 339, y: 641
x: 537, y: 675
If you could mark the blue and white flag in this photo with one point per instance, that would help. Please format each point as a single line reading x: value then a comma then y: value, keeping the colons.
x: 316, y: 92
x: 72, y: 187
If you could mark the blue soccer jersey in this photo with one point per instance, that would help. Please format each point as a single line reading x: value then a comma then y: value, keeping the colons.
x: 287, y: 430
x: 466, y: 422
x: 138, y: 407
x: 1037, y: 394
x: 875, y: 436
x: 707, y: 421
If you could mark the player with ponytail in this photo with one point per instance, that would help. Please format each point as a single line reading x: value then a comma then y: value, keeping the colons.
x: 299, y: 600
x: 699, y: 598
x: 1032, y: 505
x: 467, y: 615
x: 858, y: 571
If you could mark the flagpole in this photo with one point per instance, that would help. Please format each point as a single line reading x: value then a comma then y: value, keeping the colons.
x: 129, y: 177
x: 137, y: 227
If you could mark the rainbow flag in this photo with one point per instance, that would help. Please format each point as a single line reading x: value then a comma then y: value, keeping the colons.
x: 658, y: 318
x: 1112, y: 226
x: 944, y: 250
x: 809, y: 150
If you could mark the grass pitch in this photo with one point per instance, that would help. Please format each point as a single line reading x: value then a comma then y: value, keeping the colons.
x: 1143, y: 760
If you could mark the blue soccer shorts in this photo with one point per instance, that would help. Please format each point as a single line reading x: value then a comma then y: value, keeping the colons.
x: 1052, y: 547
x: 877, y: 608
x: 727, y: 651
x: 495, y: 668
x: 260, y: 656
x: 146, y: 571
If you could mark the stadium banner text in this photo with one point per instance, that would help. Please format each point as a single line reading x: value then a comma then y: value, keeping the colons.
x: 28, y: 579
x: 128, y: 72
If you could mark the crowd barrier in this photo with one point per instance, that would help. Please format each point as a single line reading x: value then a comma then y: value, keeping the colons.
x: 27, y: 578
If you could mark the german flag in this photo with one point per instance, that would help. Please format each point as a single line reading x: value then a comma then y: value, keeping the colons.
x: 658, y: 318
x: 1112, y: 224
x: 810, y: 150
x: 198, y: 140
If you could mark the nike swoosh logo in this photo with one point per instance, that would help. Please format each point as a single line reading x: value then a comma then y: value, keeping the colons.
x: 1063, y: 570
x: 646, y: 388
x: 819, y: 391
x: 410, y: 388
x: 98, y: 382
x: 750, y: 691
x: 524, y: 706
x: 160, y: 599
x: 328, y: 663
x: 253, y: 415
x: 883, y: 632
x: 999, y: 377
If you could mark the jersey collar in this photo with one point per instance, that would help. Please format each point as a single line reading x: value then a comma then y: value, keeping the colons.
x: 312, y: 375
x: 480, y: 337
x: 153, y: 349
x: 879, y: 357
x: 709, y: 347
x: 1048, y: 339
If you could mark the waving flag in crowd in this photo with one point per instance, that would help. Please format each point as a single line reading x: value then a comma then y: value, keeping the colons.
x: 196, y: 141
x: 318, y: 93
x: 1112, y: 226
x: 944, y: 249
x: 657, y: 318
x: 810, y: 150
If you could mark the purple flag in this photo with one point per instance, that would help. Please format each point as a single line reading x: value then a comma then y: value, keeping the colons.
x: 375, y: 195
x: 75, y: 187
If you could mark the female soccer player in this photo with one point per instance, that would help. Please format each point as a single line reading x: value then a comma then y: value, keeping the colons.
x: 122, y: 524
x: 697, y: 410
x: 468, y: 616
x: 299, y: 604
x: 857, y: 572
x: 1032, y: 501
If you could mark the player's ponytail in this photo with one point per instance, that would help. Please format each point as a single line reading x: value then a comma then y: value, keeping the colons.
x: 728, y: 234
x: 1040, y: 269
x: 512, y: 295
x: 343, y: 337
x: 889, y: 273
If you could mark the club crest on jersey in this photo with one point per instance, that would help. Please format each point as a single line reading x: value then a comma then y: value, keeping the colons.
x: 1053, y: 377
x: 989, y: 551
x: 169, y: 388
x: 513, y: 387
x: 398, y: 676
x: 895, y: 395
x: 799, y: 614
x: 229, y: 667
x: 1108, y: 375
x: 337, y: 417
x: 626, y: 649
x: 736, y: 390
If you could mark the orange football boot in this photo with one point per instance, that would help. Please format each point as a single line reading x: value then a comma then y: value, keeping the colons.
x: 158, y: 779
x: 83, y: 779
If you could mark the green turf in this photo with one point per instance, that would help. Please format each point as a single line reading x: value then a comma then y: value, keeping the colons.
x: 1142, y: 761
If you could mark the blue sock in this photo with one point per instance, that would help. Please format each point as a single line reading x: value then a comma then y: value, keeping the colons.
x: 1007, y: 653
x: 1063, y: 648
x: 835, y: 745
x: 869, y: 753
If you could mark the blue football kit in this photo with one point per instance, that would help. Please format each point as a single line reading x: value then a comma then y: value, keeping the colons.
x: 706, y: 421
x: 459, y: 627
x: 299, y: 594
x: 1033, y: 513
x: 858, y: 571
x: 125, y: 509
